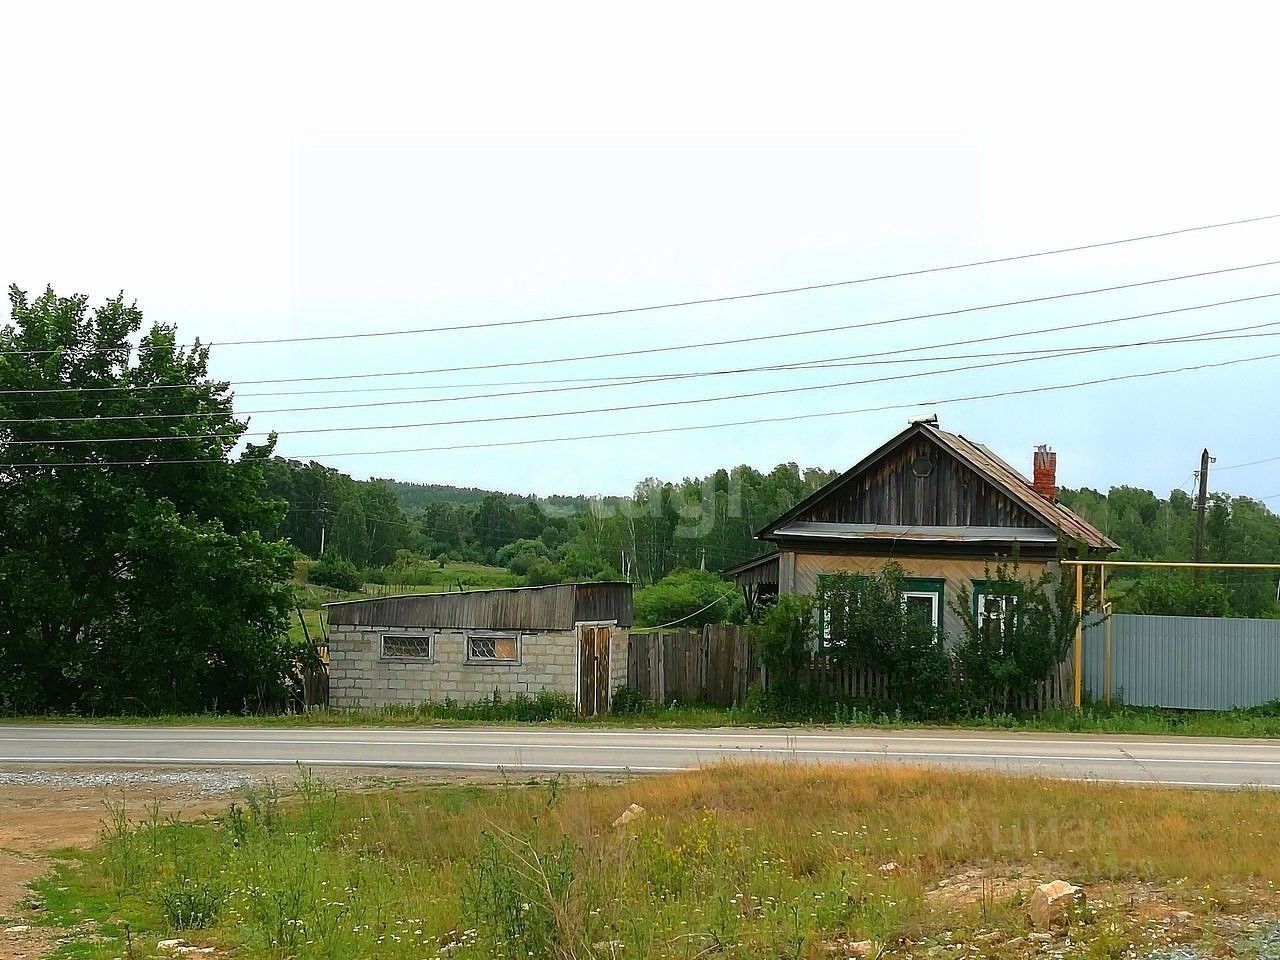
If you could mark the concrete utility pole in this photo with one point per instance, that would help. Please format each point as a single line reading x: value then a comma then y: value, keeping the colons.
x: 1202, y: 497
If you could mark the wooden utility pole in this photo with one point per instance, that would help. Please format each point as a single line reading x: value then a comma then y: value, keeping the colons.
x: 1202, y: 498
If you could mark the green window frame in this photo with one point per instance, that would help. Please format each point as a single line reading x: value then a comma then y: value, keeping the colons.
x: 934, y: 588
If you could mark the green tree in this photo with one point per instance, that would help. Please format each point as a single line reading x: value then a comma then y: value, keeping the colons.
x: 691, y: 597
x: 133, y: 576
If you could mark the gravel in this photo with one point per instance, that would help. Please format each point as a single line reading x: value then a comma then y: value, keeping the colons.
x: 208, y: 782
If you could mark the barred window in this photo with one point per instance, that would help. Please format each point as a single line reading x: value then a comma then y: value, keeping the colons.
x: 493, y: 648
x: 406, y: 647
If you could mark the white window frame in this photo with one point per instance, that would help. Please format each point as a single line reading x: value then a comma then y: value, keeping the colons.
x: 935, y: 612
x: 416, y: 638
x: 494, y: 635
x: 1005, y: 601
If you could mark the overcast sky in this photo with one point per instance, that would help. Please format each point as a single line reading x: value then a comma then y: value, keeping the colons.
x: 273, y: 170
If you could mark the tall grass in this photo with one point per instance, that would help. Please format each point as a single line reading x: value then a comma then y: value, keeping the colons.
x: 735, y: 861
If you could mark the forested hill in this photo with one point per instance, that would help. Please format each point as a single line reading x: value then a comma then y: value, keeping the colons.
x: 414, y: 497
x: 700, y: 521
x: 1147, y: 527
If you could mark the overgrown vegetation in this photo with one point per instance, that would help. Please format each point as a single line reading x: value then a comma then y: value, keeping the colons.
x: 692, y: 598
x: 1009, y: 643
x: 736, y: 862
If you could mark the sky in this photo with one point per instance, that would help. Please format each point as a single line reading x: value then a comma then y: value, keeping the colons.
x: 252, y: 171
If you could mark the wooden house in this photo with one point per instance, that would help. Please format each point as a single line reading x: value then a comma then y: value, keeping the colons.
x: 942, y: 506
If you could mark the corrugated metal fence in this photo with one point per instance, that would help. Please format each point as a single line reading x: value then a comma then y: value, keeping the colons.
x: 1191, y: 663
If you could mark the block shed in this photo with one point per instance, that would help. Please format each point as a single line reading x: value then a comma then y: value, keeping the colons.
x: 569, y: 638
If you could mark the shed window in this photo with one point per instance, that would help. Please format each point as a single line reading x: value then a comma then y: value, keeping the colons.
x: 406, y: 647
x: 493, y: 648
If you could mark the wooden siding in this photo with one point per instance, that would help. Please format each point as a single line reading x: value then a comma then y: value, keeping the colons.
x: 957, y: 573
x: 556, y: 607
x: 952, y: 495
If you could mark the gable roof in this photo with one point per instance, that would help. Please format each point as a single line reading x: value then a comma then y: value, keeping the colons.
x: 982, y: 461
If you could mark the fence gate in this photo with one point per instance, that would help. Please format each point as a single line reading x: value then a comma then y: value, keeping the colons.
x: 593, y: 666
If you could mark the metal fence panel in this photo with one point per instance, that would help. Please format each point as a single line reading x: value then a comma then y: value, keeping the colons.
x: 1191, y: 663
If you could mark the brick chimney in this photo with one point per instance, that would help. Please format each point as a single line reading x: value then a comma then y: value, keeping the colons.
x: 1044, y: 472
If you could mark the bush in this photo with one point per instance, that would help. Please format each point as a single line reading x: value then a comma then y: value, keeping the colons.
x: 1003, y: 658
x: 628, y: 701
x: 337, y: 573
x: 1177, y: 595
x: 692, y: 598
x: 866, y: 625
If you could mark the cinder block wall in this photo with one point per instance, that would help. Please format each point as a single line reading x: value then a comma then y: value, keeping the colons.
x: 360, y: 677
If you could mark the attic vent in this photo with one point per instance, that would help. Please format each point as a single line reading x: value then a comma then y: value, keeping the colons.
x: 922, y: 466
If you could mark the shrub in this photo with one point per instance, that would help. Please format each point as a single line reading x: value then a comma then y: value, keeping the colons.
x: 628, y: 701
x: 1177, y: 595
x: 1002, y: 657
x: 693, y: 598
x: 337, y: 573
x: 866, y: 625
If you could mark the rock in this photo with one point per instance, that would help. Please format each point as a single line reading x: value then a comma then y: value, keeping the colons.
x: 890, y: 867
x: 1038, y: 938
x: 632, y: 813
x: 849, y: 948
x: 20, y: 928
x: 170, y: 946
x: 1052, y: 904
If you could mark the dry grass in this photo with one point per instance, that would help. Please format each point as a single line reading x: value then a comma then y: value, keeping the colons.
x: 734, y: 861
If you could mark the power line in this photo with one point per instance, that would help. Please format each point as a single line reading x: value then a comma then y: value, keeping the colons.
x: 789, y: 418
x: 617, y: 311
x: 508, y: 418
x: 733, y: 341
x: 1251, y: 463
x: 1041, y: 353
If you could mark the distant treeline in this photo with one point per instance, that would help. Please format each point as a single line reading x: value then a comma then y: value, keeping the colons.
x: 693, y: 523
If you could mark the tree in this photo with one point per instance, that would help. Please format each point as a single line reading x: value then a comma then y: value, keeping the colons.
x: 133, y: 576
x: 690, y: 597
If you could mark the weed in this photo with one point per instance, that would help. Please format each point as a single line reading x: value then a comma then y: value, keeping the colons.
x: 188, y: 904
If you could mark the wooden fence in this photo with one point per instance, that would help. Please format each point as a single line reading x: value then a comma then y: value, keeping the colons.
x: 718, y: 664
x: 715, y: 665
x: 839, y: 681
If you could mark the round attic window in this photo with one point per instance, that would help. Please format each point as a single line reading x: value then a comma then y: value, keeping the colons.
x: 922, y: 466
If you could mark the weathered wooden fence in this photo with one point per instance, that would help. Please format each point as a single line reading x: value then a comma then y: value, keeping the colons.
x: 715, y: 665
x: 831, y: 679
x: 718, y: 664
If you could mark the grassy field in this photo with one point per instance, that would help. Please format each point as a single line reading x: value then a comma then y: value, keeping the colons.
x: 732, y: 862
x: 1259, y: 722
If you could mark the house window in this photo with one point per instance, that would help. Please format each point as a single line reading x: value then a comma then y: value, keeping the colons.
x: 406, y: 647
x: 994, y: 610
x: 493, y: 648
x: 921, y: 605
x: 922, y: 597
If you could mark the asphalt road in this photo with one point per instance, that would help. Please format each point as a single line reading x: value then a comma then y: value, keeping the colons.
x: 1171, y: 761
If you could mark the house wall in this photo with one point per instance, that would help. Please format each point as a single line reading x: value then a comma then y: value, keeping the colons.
x: 799, y: 572
x: 360, y: 677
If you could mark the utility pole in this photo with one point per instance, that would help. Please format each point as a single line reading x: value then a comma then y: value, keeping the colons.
x: 1202, y: 498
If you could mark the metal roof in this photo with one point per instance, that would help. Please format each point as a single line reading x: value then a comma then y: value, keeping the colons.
x: 987, y: 464
x: 884, y: 531
x: 553, y: 607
